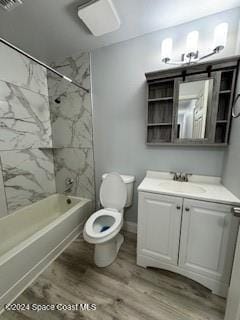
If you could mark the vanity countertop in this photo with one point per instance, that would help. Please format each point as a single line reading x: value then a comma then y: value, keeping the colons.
x: 198, y: 187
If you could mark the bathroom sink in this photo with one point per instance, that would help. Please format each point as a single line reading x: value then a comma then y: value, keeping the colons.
x: 184, y: 187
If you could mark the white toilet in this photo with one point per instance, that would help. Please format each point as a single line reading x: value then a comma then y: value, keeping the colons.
x: 103, y: 226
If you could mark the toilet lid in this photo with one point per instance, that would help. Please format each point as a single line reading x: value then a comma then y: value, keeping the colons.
x: 113, y: 192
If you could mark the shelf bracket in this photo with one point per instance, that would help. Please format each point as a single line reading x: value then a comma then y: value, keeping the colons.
x: 209, y: 71
x: 184, y: 73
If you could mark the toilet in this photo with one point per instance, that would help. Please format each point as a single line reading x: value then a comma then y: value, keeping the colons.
x: 103, y: 227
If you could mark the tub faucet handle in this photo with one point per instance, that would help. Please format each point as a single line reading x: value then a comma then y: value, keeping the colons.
x: 69, y: 185
x: 69, y: 181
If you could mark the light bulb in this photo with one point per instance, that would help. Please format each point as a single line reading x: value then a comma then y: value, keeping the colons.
x: 192, y: 42
x: 166, y: 48
x: 220, y: 36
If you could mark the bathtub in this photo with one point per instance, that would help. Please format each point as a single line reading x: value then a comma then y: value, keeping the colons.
x: 33, y: 237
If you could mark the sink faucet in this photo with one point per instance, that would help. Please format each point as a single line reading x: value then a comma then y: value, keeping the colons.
x: 180, y: 176
x: 69, y: 185
x: 176, y: 176
x: 185, y: 176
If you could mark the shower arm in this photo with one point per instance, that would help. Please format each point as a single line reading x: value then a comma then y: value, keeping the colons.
x: 43, y: 64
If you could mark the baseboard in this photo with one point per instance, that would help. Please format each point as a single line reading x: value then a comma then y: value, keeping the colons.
x: 130, y: 226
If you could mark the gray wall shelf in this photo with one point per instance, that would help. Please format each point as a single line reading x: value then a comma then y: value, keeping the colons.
x: 162, y: 127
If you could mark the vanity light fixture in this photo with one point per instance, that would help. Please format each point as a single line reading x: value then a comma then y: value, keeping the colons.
x: 192, y: 45
x: 220, y: 36
x: 192, y: 53
x: 167, y: 50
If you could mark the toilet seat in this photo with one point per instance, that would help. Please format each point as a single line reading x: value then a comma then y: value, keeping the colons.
x: 92, y: 229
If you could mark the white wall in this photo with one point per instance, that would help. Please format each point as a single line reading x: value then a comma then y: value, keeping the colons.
x: 119, y: 98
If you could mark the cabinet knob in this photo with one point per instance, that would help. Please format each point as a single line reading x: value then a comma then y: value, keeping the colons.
x: 187, y: 209
x: 178, y: 207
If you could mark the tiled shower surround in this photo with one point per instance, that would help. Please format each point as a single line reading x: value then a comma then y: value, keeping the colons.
x: 27, y: 134
x: 72, y: 126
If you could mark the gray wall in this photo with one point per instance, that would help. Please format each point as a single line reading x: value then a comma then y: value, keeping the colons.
x: 231, y: 172
x: 231, y: 166
x: 119, y: 95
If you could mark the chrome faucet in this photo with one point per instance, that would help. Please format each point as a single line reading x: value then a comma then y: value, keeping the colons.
x: 176, y: 175
x: 180, y: 176
x: 185, y: 176
x: 69, y: 182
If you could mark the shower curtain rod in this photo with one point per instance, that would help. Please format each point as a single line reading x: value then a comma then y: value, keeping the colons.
x: 43, y: 64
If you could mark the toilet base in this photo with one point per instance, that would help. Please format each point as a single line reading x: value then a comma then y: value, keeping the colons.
x: 106, y: 253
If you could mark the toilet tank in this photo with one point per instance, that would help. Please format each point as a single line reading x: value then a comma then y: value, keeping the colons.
x: 128, y: 180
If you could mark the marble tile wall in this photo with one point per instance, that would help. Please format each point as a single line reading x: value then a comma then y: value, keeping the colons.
x: 24, y: 118
x: 76, y: 67
x: 17, y: 69
x: 76, y: 163
x: 3, y: 202
x: 31, y: 123
x: 28, y: 176
x: 72, y: 126
x: 27, y: 172
x: 72, y: 120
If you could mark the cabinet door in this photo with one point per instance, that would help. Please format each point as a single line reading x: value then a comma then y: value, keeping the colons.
x: 208, y: 238
x: 159, y: 222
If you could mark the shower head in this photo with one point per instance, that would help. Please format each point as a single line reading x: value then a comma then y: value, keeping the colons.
x: 10, y: 4
x: 59, y: 98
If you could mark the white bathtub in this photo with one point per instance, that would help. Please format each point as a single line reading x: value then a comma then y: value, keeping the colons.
x: 31, y: 238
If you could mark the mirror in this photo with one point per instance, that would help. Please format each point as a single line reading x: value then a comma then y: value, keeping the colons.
x: 193, y: 105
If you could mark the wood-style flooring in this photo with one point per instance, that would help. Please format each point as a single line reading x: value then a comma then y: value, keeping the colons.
x: 122, y: 291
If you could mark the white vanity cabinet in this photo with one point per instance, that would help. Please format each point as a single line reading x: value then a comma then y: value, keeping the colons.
x: 190, y: 237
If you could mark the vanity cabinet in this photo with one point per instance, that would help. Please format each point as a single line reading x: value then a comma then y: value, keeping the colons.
x: 190, y: 237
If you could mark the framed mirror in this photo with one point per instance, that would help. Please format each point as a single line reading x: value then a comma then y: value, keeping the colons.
x: 194, y: 110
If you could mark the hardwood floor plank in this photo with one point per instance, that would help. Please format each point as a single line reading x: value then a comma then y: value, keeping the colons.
x: 122, y: 291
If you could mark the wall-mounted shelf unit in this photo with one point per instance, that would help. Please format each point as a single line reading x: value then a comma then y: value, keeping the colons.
x: 162, y: 120
x: 160, y: 111
x: 224, y: 106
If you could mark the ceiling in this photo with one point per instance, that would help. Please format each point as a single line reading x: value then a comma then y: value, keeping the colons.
x: 49, y: 29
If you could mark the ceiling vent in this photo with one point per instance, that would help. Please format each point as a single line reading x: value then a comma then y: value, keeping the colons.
x: 10, y: 4
x: 99, y: 16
